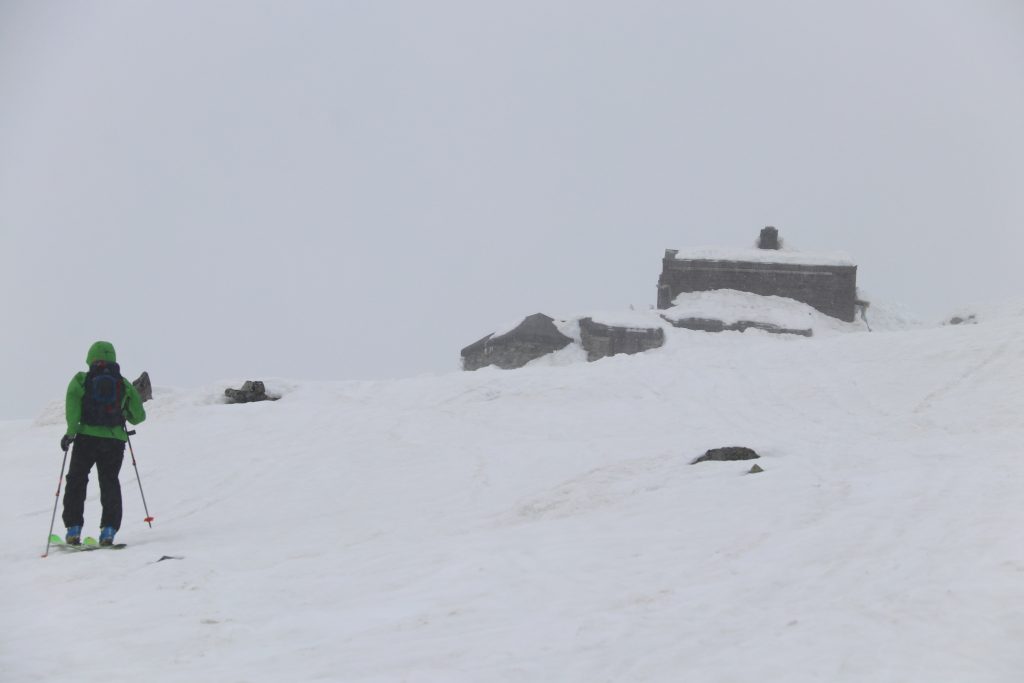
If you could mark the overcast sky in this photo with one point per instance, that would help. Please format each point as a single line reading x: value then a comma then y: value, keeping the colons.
x: 355, y: 190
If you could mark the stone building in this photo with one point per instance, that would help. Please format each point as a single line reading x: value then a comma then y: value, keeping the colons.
x: 537, y: 335
x: 828, y: 283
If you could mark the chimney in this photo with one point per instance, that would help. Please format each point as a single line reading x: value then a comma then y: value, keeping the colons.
x: 769, y: 238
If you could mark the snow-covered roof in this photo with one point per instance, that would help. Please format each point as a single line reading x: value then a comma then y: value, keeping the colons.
x: 784, y: 256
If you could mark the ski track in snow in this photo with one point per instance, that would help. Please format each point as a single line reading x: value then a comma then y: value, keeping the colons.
x: 545, y: 524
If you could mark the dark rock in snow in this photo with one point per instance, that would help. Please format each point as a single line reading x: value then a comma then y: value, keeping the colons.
x: 755, y: 469
x: 601, y: 340
x: 728, y: 453
x: 144, y: 387
x: 252, y: 390
x: 534, y: 337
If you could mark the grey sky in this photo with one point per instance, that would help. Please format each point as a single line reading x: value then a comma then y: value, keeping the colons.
x: 337, y: 190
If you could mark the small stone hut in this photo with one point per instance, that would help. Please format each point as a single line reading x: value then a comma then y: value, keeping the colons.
x: 828, y: 283
x: 532, y: 338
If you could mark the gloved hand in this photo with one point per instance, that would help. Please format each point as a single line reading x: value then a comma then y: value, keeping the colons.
x: 65, y: 442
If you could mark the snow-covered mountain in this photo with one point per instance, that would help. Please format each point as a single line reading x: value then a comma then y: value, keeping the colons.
x: 545, y: 524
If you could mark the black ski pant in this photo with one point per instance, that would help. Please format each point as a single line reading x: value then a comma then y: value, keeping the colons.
x: 107, y: 455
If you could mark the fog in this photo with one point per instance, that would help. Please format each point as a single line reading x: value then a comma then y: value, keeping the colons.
x: 357, y: 190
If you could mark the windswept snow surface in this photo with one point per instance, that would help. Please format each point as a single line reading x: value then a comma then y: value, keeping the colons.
x: 544, y: 524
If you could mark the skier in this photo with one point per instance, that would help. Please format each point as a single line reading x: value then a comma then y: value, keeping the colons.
x: 98, y: 404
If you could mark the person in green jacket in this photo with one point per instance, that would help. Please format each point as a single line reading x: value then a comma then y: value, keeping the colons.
x: 99, y: 402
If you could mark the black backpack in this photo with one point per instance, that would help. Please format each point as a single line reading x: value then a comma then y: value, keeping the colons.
x: 104, y: 393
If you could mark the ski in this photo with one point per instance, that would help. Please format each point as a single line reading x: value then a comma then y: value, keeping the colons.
x: 88, y: 543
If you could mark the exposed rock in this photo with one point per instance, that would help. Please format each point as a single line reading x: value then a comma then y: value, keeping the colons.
x: 252, y: 390
x: 755, y: 469
x: 712, y: 325
x: 601, y: 340
x: 144, y: 387
x: 728, y: 453
x: 963, y: 320
x: 534, y: 337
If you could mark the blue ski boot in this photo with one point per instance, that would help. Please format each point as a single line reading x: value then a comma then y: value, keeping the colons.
x: 107, y: 535
x: 74, y: 535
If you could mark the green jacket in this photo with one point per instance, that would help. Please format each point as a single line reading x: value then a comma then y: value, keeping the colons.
x: 132, y: 406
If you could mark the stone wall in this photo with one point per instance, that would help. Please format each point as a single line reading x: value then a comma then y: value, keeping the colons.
x: 832, y: 289
x: 711, y: 325
x: 601, y: 340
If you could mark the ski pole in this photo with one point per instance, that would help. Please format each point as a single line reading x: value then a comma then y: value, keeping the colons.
x: 55, y: 502
x: 149, y: 519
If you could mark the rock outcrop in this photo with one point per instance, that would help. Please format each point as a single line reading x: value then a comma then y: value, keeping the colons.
x: 727, y: 454
x: 252, y: 390
x: 144, y: 387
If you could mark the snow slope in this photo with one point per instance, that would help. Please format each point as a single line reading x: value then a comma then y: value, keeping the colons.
x: 544, y: 524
